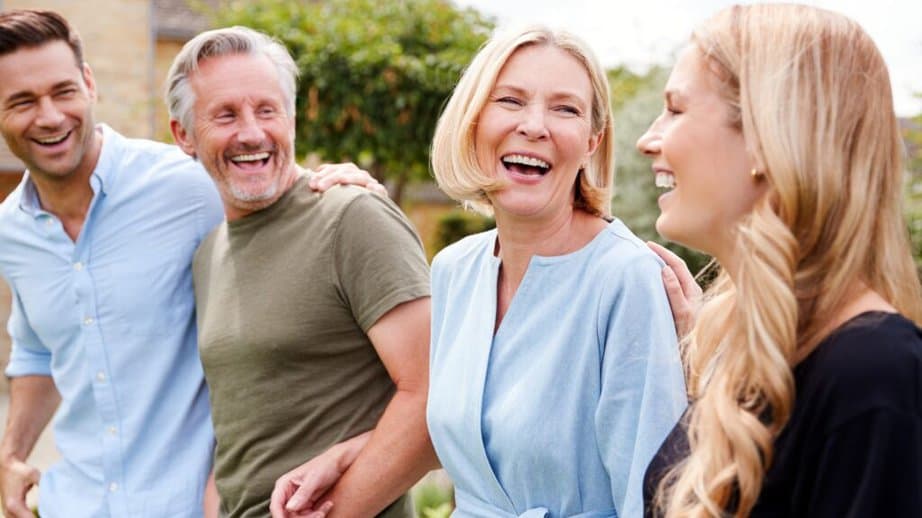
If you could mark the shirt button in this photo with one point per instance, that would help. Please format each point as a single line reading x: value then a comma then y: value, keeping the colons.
x: 101, y: 376
x: 113, y: 487
x: 88, y: 321
x: 112, y: 430
x: 49, y: 222
x: 78, y: 266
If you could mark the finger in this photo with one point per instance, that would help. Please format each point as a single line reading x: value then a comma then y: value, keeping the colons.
x: 280, y: 495
x: 16, y: 508
x: 679, y: 269
x: 322, y: 511
x: 674, y: 291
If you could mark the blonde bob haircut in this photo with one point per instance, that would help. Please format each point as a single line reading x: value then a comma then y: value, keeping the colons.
x: 454, y: 160
x: 810, y: 93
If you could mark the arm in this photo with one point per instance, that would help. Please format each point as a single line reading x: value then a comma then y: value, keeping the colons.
x: 33, y: 400
x: 211, y: 501
x: 301, y: 488
x: 399, y: 452
x: 643, y: 390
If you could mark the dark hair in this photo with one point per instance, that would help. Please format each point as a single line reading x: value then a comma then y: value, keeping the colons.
x: 35, y: 27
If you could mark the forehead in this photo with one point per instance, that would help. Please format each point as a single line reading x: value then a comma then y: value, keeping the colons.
x: 547, y: 67
x: 234, y: 77
x: 691, y: 76
x: 36, y: 68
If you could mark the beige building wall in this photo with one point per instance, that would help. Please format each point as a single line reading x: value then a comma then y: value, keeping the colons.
x: 164, y: 52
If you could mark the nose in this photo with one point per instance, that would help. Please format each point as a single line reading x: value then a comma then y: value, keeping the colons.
x: 249, y: 131
x: 651, y: 142
x: 49, y: 116
x: 532, y: 125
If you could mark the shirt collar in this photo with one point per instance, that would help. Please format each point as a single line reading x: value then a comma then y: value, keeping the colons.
x: 102, y: 177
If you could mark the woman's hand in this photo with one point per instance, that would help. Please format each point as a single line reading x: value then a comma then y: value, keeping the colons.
x: 683, y: 292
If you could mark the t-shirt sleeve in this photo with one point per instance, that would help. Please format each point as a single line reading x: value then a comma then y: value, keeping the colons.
x: 28, y: 355
x: 870, y: 466
x: 378, y: 259
x: 643, y: 388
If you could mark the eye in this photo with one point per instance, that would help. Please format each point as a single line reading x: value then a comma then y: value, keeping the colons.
x: 21, y: 104
x: 266, y: 111
x: 224, y: 116
x: 510, y: 101
x: 568, y: 109
x: 66, y: 92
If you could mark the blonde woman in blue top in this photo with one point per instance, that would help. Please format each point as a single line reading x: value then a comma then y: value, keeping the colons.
x: 554, y: 369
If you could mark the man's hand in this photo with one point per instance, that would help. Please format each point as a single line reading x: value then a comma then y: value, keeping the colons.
x: 16, y: 479
x: 298, y: 493
x: 33, y: 400
x: 683, y: 292
x: 330, y: 175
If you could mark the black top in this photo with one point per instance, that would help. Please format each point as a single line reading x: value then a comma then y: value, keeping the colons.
x: 853, y: 445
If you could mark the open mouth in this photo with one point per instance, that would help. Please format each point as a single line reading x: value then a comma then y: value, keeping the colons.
x: 53, y: 139
x: 525, y: 165
x: 665, y: 180
x: 251, y: 160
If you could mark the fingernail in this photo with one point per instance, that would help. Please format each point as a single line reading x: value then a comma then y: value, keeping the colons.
x: 294, y: 503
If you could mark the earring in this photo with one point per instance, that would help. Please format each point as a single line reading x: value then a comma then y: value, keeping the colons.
x: 755, y: 173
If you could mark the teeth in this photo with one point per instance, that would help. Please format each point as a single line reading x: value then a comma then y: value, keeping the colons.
x: 250, y: 158
x: 52, y: 140
x: 526, y: 160
x: 665, y: 180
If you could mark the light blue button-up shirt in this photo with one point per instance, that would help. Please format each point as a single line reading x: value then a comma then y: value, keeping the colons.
x: 111, y: 319
x: 557, y: 413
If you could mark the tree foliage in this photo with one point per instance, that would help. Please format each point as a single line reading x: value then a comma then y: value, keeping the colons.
x: 374, y: 75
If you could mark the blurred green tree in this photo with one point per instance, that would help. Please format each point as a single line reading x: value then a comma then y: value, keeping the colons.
x: 374, y: 75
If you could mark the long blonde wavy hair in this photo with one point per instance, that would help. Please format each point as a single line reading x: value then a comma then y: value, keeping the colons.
x: 811, y: 94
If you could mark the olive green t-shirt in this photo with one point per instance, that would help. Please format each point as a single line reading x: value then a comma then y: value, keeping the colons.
x: 284, y: 297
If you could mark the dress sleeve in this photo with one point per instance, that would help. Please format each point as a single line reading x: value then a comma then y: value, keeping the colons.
x: 28, y: 355
x: 869, y: 466
x: 378, y: 259
x: 643, y: 388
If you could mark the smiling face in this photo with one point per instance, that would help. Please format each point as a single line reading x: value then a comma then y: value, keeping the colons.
x: 46, y: 111
x: 534, y: 133
x: 242, y: 133
x: 701, y: 158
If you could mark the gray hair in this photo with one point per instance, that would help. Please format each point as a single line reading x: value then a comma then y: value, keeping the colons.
x: 225, y: 42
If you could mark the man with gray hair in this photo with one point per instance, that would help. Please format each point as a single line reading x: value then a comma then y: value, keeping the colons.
x: 313, y: 310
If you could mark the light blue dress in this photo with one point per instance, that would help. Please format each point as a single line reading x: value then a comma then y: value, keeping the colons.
x: 558, y: 413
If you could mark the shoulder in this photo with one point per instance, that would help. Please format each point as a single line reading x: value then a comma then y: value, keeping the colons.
x: 625, y: 260
x: 465, y: 250
x: 873, y: 362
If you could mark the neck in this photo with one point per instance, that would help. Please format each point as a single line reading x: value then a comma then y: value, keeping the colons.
x: 68, y: 197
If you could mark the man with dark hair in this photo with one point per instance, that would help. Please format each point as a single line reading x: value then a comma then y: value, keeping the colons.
x: 96, y: 244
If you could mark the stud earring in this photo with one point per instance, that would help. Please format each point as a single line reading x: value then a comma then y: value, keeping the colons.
x: 755, y: 173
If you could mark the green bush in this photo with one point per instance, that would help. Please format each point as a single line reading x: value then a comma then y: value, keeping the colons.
x: 458, y: 223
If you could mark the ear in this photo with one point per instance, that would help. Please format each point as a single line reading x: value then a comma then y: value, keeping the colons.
x: 183, y: 138
x: 594, y: 141
x: 89, y: 81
